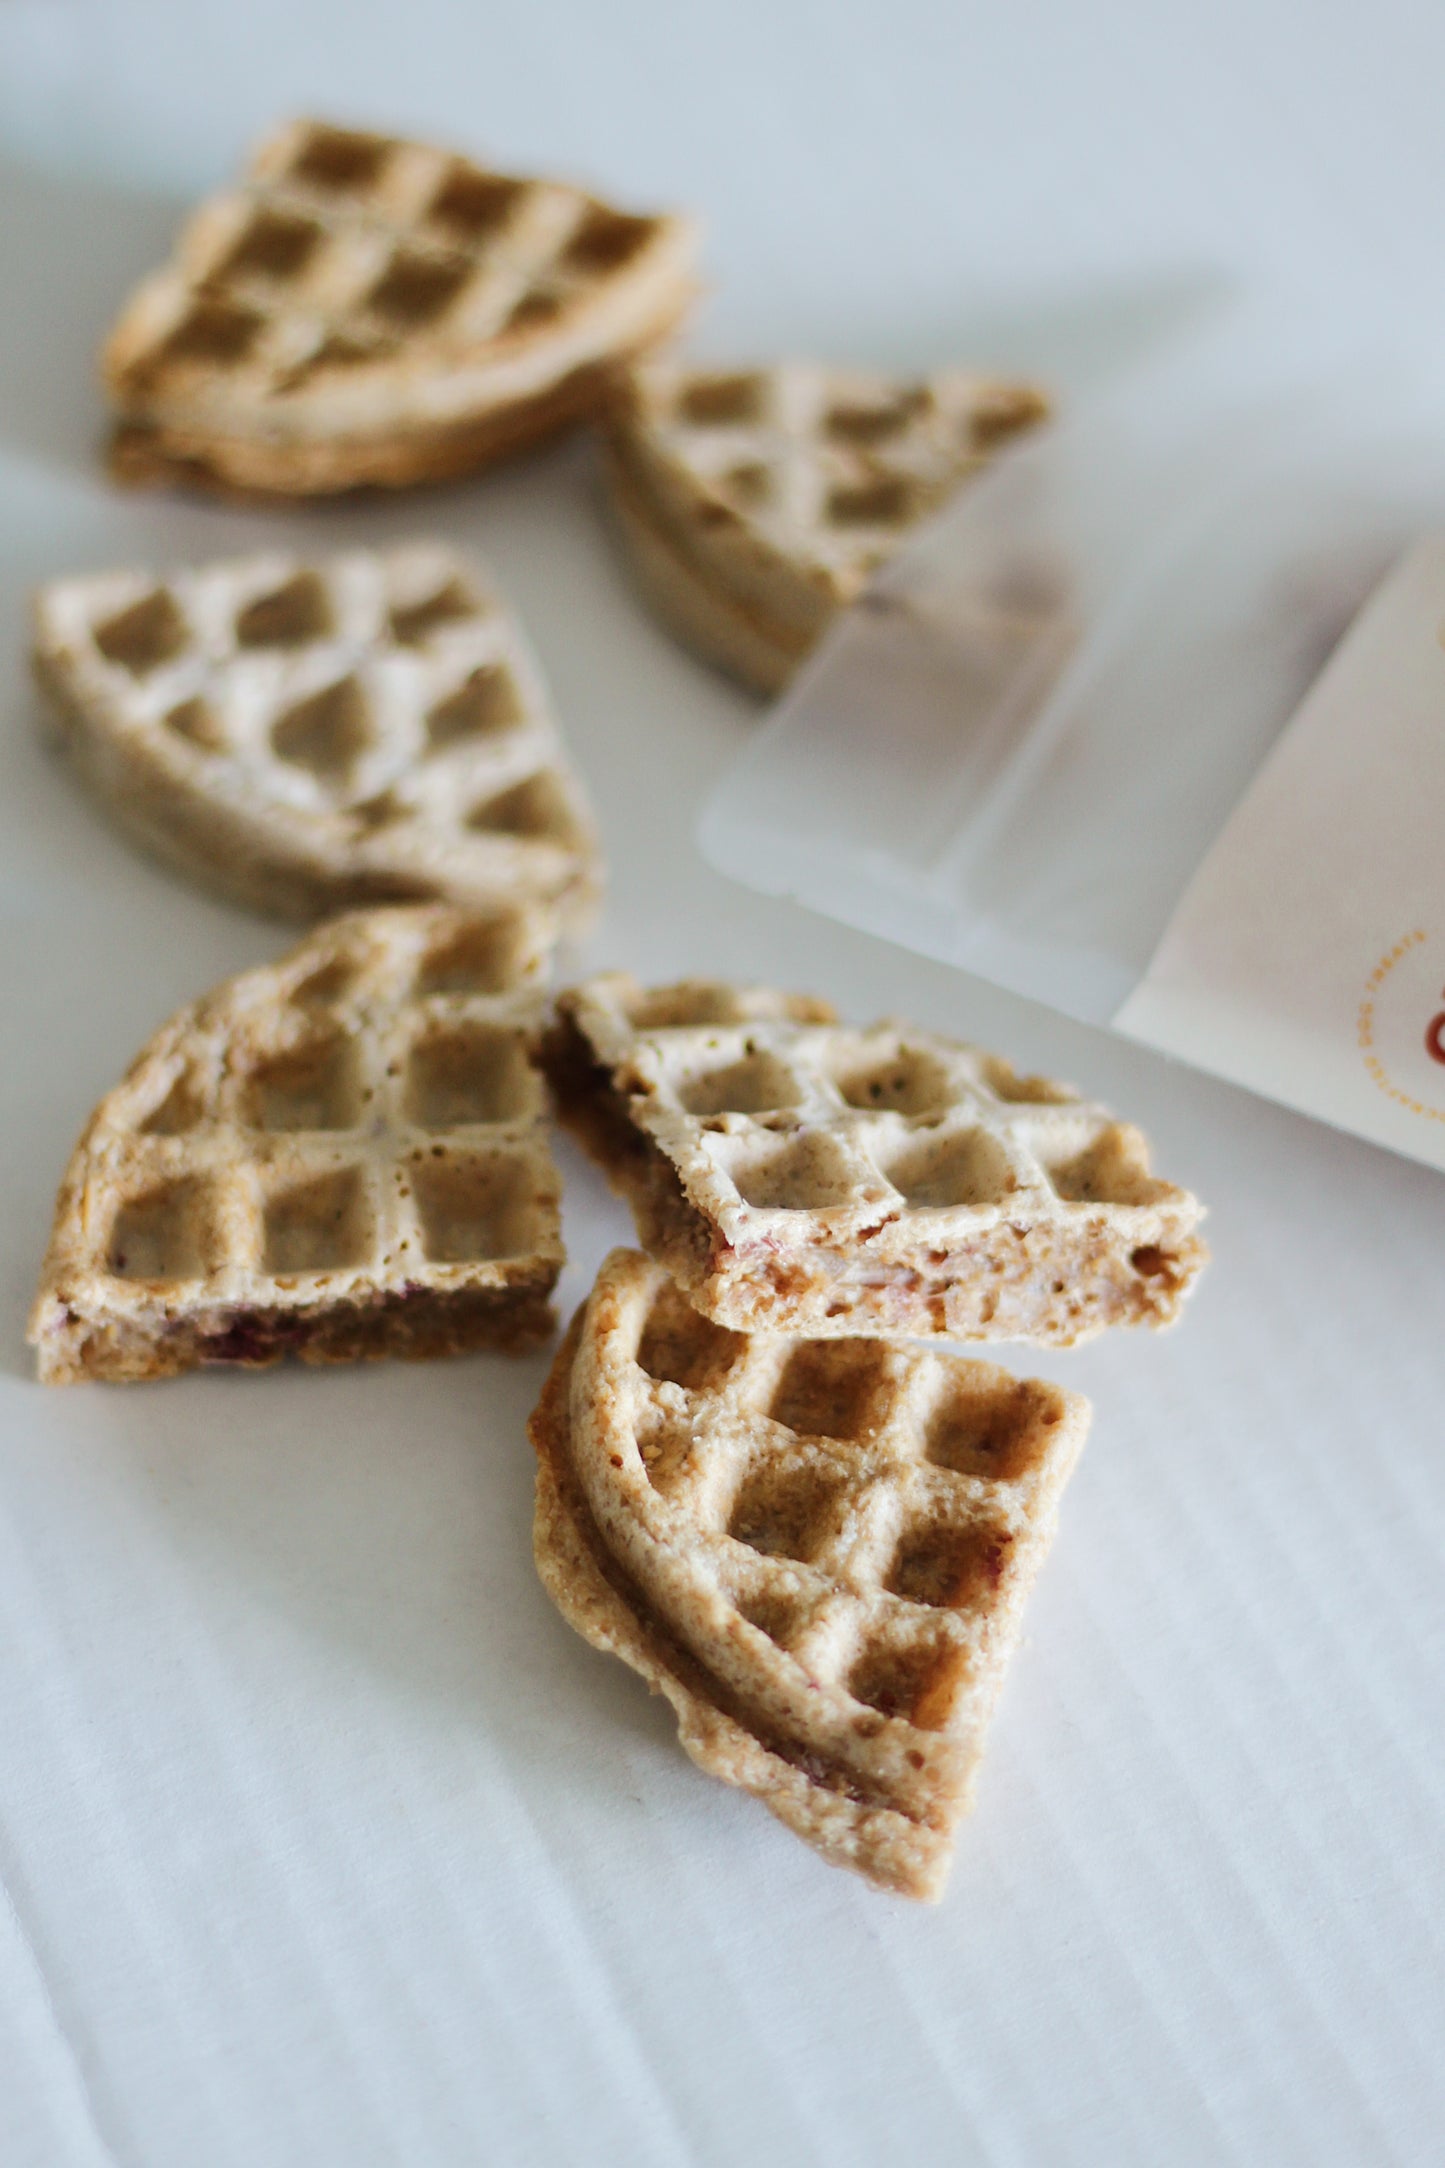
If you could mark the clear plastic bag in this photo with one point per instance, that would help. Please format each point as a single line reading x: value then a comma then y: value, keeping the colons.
x: 1020, y: 750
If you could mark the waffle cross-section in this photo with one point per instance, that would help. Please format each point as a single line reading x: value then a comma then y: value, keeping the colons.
x: 818, y: 1551
x: 758, y: 501
x: 341, y: 1155
x: 307, y: 734
x: 362, y: 310
x: 797, y: 1175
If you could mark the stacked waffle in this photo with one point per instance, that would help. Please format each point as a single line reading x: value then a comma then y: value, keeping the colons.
x: 814, y: 1537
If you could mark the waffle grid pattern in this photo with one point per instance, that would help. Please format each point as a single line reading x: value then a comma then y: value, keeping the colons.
x: 346, y: 250
x: 827, y: 468
x: 813, y: 1120
x: 361, y: 1119
x: 855, y: 1501
x: 837, y: 1536
x: 376, y: 714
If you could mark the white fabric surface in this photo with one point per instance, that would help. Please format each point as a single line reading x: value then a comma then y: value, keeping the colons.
x: 321, y: 1839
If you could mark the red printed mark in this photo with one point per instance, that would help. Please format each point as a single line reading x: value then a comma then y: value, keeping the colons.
x: 1435, y: 1038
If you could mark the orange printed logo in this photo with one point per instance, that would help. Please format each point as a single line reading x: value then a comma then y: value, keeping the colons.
x: 1401, y: 1025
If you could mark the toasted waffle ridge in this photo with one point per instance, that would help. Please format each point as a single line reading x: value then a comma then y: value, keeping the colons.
x: 797, y: 1175
x: 360, y: 310
x: 757, y: 502
x: 306, y: 734
x: 340, y: 1155
x: 818, y: 1551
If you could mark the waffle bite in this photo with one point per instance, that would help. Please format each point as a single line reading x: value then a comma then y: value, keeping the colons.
x: 307, y: 734
x: 797, y: 1175
x: 757, y: 502
x: 339, y: 1156
x: 362, y: 311
x: 819, y: 1551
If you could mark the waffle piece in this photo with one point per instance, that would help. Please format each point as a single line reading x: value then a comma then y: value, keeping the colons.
x: 361, y: 311
x: 757, y: 502
x: 795, y: 1175
x: 337, y: 1156
x: 304, y: 735
x: 818, y: 1551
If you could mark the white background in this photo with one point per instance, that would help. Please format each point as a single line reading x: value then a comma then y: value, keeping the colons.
x: 322, y: 1840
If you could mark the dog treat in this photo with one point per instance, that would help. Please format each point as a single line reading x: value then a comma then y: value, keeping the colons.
x: 819, y: 1551
x: 359, y: 310
x: 757, y: 502
x: 796, y: 1175
x: 307, y: 734
x: 339, y: 1156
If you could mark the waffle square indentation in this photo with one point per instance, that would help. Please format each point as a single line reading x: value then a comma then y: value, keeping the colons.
x: 290, y: 615
x: 939, y: 1171
x: 907, y: 1081
x: 977, y: 1430
x: 605, y: 240
x: 474, y: 1208
x: 319, y: 1224
x: 785, y: 1512
x: 476, y: 1073
x: 721, y: 400
x: 949, y: 1568
x: 536, y: 809
x: 452, y: 603
x: 275, y: 245
x: 484, y: 958
x: 327, y: 732
x: 485, y: 704
x: 832, y: 1389
x: 340, y: 160
x: 144, y: 635
x: 807, y: 1173
x: 166, y: 1232
x: 917, y: 1678
x: 310, y: 1086
x: 758, y: 1083
x: 474, y: 204
x: 415, y: 290
x: 678, y: 1346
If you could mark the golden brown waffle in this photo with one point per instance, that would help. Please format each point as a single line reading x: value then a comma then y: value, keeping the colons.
x: 360, y: 310
x: 337, y: 1156
x: 795, y: 1175
x: 307, y: 734
x: 757, y: 502
x: 819, y: 1551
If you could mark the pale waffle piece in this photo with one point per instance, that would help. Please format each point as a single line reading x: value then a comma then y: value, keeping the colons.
x: 307, y: 734
x: 819, y: 1551
x: 340, y: 1155
x: 797, y: 1175
x: 757, y: 502
x: 363, y: 311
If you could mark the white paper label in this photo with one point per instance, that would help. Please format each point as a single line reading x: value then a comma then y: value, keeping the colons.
x: 1306, y: 958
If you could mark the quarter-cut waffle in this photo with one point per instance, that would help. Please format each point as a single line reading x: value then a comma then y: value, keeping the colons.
x: 819, y: 1552
x: 758, y: 501
x: 363, y: 311
x: 304, y: 735
x: 795, y: 1175
x: 340, y: 1155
